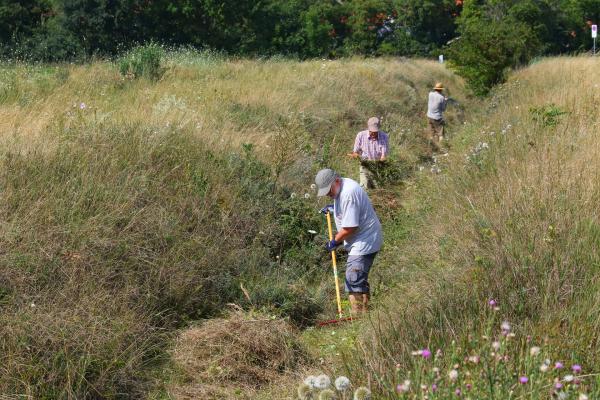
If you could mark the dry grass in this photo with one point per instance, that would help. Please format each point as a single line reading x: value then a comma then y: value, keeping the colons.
x: 235, y: 356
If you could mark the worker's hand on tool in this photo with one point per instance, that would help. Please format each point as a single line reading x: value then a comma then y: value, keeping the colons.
x: 331, y: 245
x: 327, y: 209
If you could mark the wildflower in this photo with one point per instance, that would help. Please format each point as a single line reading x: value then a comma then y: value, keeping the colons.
x: 313, y: 186
x: 576, y: 368
x: 543, y: 368
x: 306, y: 195
x: 453, y: 375
x: 312, y: 232
x: 433, y: 388
x: 469, y: 386
x: 582, y: 396
x: 457, y: 392
x: 568, y: 378
x: 82, y: 106
x: 505, y: 326
x: 311, y: 381
x: 438, y: 353
x: 561, y: 396
x: 362, y: 393
x: 32, y: 305
x: 558, y: 385
x: 426, y: 353
x: 558, y: 365
x: 436, y: 370
x: 404, y: 387
x: 342, y: 383
x: 304, y: 392
x: 534, y: 351
x: 474, y: 359
x: 492, y: 303
x: 327, y: 394
x: 322, y: 382
x: 523, y: 380
x: 496, y: 346
x: 293, y: 195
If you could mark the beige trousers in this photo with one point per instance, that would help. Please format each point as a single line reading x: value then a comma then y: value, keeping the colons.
x: 367, y: 180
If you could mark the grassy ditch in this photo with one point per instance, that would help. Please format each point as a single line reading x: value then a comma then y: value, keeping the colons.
x: 134, y: 207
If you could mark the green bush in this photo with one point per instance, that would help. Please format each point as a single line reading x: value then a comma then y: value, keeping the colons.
x: 143, y: 61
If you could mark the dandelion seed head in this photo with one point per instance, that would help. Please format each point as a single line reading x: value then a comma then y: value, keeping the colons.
x: 327, y: 394
x: 304, y: 392
x: 310, y: 381
x: 362, y: 393
x: 534, y: 351
x: 342, y: 383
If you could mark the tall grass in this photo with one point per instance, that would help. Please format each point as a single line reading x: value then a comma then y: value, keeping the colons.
x: 514, y: 217
x: 132, y: 207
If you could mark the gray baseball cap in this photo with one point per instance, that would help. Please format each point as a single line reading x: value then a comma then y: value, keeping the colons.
x: 324, y: 179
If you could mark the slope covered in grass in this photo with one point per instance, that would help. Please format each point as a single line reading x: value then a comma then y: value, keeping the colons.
x: 514, y: 217
x: 130, y: 208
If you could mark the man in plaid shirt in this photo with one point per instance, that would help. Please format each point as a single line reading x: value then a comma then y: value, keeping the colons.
x: 371, y: 147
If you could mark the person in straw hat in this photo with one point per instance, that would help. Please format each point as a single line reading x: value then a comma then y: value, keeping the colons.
x: 435, y: 116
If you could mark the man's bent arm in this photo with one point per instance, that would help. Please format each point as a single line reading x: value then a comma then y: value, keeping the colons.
x: 344, y: 233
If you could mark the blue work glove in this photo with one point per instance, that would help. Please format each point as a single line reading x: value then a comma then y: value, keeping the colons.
x: 331, y: 245
x: 327, y: 209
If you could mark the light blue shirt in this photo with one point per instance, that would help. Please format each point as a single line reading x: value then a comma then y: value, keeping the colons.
x: 436, y: 105
x: 352, y: 208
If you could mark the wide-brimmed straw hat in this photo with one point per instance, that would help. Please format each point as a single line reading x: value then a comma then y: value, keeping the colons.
x: 438, y: 86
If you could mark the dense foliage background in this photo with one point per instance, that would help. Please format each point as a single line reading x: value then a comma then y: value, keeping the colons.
x: 481, y: 37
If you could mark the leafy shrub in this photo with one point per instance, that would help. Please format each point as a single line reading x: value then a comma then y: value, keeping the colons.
x: 548, y: 115
x: 489, y: 46
x: 143, y: 61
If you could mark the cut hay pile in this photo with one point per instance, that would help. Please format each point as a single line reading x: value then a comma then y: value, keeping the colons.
x: 235, y: 356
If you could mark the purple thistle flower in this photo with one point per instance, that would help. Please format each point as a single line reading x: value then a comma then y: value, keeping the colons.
x: 433, y: 387
x: 426, y: 353
x: 457, y: 392
x: 576, y: 368
x: 558, y: 365
x: 469, y: 386
x: 523, y: 380
x: 492, y: 303
x: 558, y: 385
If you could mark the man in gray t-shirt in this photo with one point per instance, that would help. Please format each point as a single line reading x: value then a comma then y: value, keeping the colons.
x: 358, y: 228
x: 435, y: 116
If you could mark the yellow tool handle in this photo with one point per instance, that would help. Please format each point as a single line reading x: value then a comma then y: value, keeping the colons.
x: 335, y: 274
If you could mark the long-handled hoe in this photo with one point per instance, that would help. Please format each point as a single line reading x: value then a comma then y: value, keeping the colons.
x: 337, y: 283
